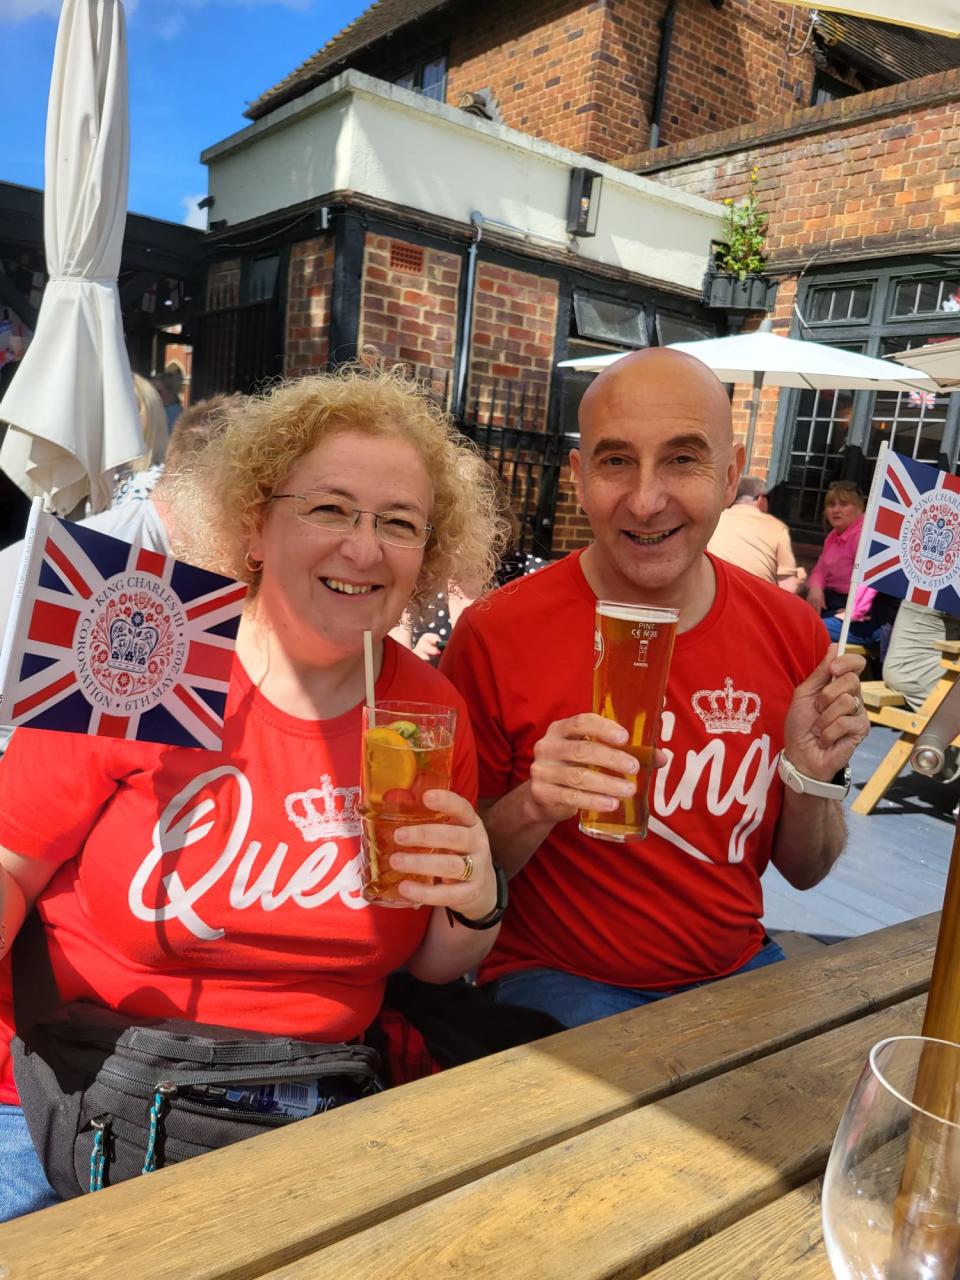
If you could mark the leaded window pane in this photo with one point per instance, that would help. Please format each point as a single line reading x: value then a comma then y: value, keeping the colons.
x: 926, y: 295
x: 816, y: 457
x: 840, y: 304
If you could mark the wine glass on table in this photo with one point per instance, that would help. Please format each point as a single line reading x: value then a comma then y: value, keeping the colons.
x: 891, y: 1192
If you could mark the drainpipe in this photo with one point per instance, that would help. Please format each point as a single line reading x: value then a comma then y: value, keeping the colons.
x: 663, y: 61
x: 466, y: 329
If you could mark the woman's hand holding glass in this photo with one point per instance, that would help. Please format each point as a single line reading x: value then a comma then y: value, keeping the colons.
x: 461, y: 862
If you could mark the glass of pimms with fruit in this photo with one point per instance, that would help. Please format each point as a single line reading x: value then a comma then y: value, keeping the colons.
x: 407, y: 749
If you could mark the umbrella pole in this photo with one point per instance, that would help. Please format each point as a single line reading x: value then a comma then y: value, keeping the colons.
x: 754, y: 410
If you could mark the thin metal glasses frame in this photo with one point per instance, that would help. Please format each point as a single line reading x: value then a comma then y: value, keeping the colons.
x: 378, y: 517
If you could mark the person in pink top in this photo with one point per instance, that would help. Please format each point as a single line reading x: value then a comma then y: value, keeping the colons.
x: 829, y: 580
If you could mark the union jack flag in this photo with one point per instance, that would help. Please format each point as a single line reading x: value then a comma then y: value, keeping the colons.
x: 912, y: 533
x: 922, y: 399
x: 113, y: 639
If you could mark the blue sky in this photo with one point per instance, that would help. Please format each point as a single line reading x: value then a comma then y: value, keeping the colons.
x: 194, y: 65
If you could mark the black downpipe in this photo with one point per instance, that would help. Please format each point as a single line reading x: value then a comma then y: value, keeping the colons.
x: 663, y: 63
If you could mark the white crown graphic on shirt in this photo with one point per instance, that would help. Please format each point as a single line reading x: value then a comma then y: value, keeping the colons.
x: 325, y: 811
x: 726, y: 710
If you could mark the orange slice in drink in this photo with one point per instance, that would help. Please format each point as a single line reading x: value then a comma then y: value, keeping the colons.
x: 391, y: 763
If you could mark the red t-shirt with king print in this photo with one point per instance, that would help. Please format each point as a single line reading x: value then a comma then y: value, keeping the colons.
x: 686, y: 903
x: 224, y: 886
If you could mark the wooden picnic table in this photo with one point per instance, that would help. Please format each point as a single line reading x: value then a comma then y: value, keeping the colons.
x: 885, y: 707
x: 683, y: 1141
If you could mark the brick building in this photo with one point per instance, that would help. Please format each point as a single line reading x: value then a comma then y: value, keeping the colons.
x: 480, y: 190
x: 864, y: 239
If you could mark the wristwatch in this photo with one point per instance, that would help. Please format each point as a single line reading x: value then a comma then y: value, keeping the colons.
x: 493, y: 916
x: 835, y: 789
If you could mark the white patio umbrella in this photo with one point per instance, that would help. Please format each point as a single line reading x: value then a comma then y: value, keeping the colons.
x: 939, y: 16
x: 941, y: 360
x: 767, y: 360
x: 71, y: 404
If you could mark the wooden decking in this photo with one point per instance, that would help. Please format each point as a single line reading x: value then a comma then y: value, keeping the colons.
x: 895, y: 866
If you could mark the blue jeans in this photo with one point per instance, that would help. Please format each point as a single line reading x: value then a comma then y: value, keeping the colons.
x: 866, y: 633
x: 573, y: 1000
x: 23, y: 1184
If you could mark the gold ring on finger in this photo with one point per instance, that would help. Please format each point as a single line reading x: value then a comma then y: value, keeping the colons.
x: 467, y: 868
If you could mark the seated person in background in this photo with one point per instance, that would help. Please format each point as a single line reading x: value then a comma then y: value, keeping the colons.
x: 336, y: 498
x: 138, y: 477
x: 748, y: 535
x: 594, y: 927
x: 829, y: 582
x: 426, y: 628
x: 169, y: 385
x: 912, y: 665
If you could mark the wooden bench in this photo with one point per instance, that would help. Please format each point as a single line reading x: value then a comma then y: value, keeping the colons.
x: 876, y: 696
x: 886, y: 707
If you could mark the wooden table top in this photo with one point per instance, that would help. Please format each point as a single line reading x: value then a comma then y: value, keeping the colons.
x: 684, y: 1140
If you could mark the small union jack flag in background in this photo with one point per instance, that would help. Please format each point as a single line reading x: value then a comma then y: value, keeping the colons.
x: 922, y: 399
x: 109, y: 638
x: 911, y: 534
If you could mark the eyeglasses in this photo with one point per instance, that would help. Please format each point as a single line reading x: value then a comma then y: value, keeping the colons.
x: 332, y: 514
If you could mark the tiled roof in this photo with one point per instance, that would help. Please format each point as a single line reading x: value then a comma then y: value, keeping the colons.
x: 382, y: 19
x: 891, y: 52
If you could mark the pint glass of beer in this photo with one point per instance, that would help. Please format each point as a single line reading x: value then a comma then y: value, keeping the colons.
x: 632, y: 647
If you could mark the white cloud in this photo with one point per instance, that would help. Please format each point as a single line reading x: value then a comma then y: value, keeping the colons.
x: 171, y: 26
x: 192, y: 216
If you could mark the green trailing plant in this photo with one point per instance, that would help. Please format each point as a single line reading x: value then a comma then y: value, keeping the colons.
x: 744, y: 232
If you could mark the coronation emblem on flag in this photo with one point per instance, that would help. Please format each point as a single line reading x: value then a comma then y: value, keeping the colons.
x: 914, y: 546
x: 117, y: 640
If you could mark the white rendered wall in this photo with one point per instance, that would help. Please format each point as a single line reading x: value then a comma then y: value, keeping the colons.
x: 359, y: 134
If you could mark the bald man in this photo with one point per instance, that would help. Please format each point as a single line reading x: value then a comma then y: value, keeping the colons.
x: 755, y: 700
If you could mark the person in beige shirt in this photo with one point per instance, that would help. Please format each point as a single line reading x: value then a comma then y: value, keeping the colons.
x: 748, y: 536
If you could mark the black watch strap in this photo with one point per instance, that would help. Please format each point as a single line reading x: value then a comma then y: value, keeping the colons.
x: 492, y: 917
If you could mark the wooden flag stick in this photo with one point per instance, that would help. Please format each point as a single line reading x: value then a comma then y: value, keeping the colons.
x: 869, y: 520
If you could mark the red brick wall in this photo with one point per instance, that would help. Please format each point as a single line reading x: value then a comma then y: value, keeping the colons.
x: 583, y: 75
x: 871, y: 175
x: 410, y: 315
x: 865, y: 177
x: 537, y: 57
x: 514, y: 332
x: 731, y: 66
x: 309, y: 290
x: 570, y: 526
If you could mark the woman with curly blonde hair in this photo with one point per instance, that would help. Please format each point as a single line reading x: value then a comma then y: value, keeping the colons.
x: 238, y: 477
x: 337, y: 498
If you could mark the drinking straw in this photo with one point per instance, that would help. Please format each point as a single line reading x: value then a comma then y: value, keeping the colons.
x: 368, y: 667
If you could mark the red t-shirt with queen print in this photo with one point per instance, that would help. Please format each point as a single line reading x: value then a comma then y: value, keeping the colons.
x: 217, y: 886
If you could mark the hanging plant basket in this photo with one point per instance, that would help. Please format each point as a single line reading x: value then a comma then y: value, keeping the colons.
x: 751, y: 293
